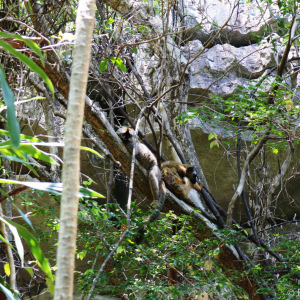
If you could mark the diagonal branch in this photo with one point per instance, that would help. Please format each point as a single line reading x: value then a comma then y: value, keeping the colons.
x: 242, y: 181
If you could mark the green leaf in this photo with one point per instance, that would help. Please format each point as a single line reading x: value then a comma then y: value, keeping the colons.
x: 34, y: 152
x: 210, y: 137
x: 91, y: 150
x: 134, y: 49
x: 119, y: 63
x: 53, y: 188
x: 103, y: 64
x: 32, y: 45
x: 6, y: 242
x: 12, y: 122
x: 121, y: 249
x: 34, y: 247
x: 32, y: 65
x: 23, y: 137
x: 7, y: 269
x: 17, y: 238
x: 81, y: 255
x: 214, y: 143
x: 110, y: 21
x: 8, y: 293
x: 88, y: 193
x: 29, y: 270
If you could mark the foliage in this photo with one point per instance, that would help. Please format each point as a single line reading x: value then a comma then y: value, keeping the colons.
x: 145, y: 270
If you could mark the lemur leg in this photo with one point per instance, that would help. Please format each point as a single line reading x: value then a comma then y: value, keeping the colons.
x: 158, y: 191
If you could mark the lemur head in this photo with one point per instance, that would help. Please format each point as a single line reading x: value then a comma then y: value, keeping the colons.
x: 125, y: 133
x: 191, y: 173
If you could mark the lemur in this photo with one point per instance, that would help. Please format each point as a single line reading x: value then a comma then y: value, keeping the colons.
x: 148, y: 160
x: 180, y: 179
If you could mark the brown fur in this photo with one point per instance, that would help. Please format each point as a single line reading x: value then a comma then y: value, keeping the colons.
x: 178, y: 179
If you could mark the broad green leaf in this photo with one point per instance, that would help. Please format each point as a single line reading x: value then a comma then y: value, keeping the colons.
x: 23, y: 137
x: 58, y: 144
x: 32, y: 65
x: 214, y: 143
x: 7, y: 269
x: 103, y: 64
x: 8, y: 150
x: 81, y: 255
x: 121, y: 249
x: 17, y: 238
x: 34, y: 247
x: 53, y: 187
x: 12, y: 122
x: 110, y: 21
x: 211, y: 136
x: 88, y: 193
x: 50, y: 284
x: 34, y: 152
x: 119, y: 63
x: 32, y: 45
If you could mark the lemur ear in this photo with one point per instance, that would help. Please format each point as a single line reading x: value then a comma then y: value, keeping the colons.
x: 125, y: 129
x: 122, y: 130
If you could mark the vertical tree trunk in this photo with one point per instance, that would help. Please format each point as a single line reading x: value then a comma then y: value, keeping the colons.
x: 71, y: 156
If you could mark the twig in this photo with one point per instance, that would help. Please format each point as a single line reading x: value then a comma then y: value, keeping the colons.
x: 239, y: 140
x: 15, y: 192
x: 276, y: 182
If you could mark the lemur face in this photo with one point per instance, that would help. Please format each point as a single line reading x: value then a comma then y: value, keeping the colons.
x: 191, y: 173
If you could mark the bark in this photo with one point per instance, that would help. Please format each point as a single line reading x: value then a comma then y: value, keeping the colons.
x: 71, y: 155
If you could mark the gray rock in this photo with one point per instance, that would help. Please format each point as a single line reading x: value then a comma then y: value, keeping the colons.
x: 212, y: 14
x: 220, y: 69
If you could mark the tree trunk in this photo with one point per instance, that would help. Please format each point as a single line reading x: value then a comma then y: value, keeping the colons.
x: 71, y: 156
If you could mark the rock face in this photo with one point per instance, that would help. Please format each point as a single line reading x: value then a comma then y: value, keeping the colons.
x: 221, y: 68
x: 234, y: 58
x: 242, y: 27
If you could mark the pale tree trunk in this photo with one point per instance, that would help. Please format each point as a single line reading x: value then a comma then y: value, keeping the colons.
x: 71, y: 156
